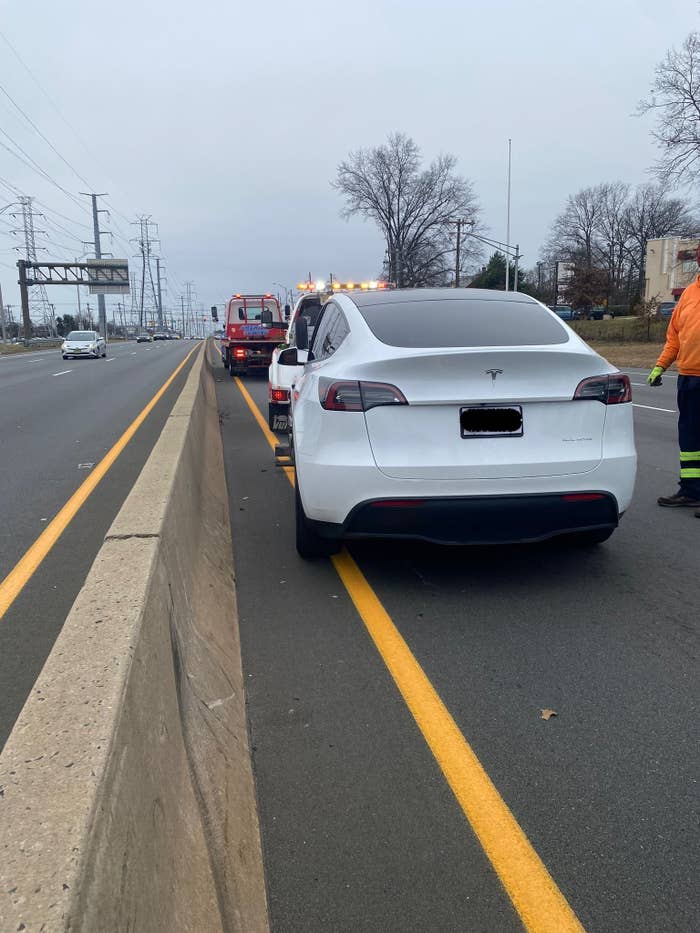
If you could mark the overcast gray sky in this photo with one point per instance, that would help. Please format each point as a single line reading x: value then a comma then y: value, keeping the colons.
x: 225, y: 121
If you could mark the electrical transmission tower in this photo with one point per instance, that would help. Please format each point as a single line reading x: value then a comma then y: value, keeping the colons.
x: 148, y: 305
x: 189, y: 295
x: 39, y: 305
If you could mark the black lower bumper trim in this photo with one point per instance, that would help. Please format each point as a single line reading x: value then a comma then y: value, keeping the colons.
x: 479, y: 519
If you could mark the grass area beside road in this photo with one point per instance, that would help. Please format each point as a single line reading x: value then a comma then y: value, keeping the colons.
x: 15, y: 348
x: 621, y: 330
x: 643, y: 355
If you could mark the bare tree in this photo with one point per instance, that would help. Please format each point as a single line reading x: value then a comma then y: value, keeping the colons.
x: 675, y: 98
x: 412, y: 206
x: 574, y: 230
x: 651, y: 213
x: 605, y: 229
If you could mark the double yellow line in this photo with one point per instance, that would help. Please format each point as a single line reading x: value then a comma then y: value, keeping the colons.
x: 26, y: 567
x: 532, y: 890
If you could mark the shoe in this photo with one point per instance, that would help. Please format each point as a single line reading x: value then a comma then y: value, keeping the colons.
x: 679, y: 500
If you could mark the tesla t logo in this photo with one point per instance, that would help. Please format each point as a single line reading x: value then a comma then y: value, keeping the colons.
x: 493, y: 373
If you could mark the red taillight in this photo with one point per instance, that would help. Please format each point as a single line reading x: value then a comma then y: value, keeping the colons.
x: 279, y: 395
x: 346, y: 395
x: 610, y: 390
x: 583, y: 496
x: 239, y: 353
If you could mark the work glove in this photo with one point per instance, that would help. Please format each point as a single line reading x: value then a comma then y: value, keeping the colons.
x: 654, y: 377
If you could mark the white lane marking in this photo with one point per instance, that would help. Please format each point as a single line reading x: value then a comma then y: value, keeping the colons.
x: 111, y: 359
x: 643, y: 385
x: 671, y: 411
x: 133, y: 352
x: 63, y: 372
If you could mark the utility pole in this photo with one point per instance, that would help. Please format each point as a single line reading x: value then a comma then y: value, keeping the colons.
x: 459, y: 223
x: 182, y: 305
x: 101, y: 313
x: 457, y: 261
x: 508, y: 219
x: 517, y: 257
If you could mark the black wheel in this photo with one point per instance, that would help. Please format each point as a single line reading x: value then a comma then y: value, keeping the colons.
x: 224, y: 358
x: 310, y: 544
x: 589, y: 538
x: 270, y: 418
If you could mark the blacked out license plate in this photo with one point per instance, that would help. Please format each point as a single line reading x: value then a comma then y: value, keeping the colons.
x: 494, y: 421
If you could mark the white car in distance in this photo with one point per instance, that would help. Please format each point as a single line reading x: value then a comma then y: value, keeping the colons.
x: 456, y: 416
x: 87, y: 343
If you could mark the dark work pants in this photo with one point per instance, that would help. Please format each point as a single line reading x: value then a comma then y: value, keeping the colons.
x: 689, y: 434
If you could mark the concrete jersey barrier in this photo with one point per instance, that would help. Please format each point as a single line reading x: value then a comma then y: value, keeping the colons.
x: 126, y: 791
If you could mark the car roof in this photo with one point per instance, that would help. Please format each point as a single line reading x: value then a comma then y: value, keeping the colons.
x: 394, y: 295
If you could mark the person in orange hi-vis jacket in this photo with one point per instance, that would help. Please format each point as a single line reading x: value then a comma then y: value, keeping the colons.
x: 683, y: 347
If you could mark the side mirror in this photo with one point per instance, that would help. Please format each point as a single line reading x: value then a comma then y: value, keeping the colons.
x: 287, y: 312
x: 266, y: 316
x: 241, y: 314
x: 302, y: 334
x: 288, y: 357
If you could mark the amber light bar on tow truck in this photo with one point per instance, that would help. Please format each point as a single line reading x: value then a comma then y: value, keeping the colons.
x: 340, y: 286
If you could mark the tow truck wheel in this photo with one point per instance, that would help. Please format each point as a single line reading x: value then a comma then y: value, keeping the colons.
x: 310, y: 544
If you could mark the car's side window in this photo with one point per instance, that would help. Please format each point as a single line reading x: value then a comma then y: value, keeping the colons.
x: 325, y: 325
x: 337, y: 333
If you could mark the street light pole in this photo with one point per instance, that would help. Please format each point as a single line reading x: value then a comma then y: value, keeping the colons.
x: 508, y: 218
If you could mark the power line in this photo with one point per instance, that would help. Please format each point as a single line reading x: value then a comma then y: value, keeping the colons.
x: 37, y: 168
x: 49, y: 98
x: 45, y: 138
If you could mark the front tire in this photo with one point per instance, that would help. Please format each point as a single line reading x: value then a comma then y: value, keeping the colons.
x: 310, y: 544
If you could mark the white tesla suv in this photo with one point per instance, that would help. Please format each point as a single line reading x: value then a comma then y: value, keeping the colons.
x: 459, y: 416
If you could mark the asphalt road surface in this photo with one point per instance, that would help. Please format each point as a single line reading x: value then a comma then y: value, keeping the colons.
x: 361, y: 831
x: 58, y: 418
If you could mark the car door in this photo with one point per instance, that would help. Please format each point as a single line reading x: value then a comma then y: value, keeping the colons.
x: 330, y: 333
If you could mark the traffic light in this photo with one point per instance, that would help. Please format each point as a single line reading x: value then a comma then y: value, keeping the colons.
x: 214, y: 313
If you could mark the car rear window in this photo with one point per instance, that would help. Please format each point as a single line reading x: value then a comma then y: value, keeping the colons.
x: 461, y: 322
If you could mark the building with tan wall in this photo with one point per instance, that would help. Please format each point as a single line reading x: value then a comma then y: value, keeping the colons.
x: 671, y: 265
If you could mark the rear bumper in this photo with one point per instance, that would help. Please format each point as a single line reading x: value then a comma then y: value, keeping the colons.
x: 477, y: 520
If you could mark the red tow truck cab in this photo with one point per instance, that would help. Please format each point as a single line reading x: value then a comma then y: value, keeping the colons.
x: 254, y: 327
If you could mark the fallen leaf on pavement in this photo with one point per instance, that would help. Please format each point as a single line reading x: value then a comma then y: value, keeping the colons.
x: 548, y: 713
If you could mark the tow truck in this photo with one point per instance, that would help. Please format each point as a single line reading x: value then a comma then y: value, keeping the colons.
x: 281, y: 378
x: 254, y: 327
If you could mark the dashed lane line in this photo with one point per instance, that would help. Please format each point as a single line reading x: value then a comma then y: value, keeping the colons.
x: 670, y: 411
x: 31, y: 560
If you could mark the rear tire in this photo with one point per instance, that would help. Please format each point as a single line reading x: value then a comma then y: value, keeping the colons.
x: 310, y: 544
x: 270, y: 418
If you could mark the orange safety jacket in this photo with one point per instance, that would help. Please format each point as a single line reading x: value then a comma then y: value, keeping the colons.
x: 683, y: 334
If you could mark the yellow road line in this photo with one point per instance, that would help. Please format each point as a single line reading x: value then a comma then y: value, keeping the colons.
x: 22, y: 572
x: 534, y: 893
x: 531, y: 888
